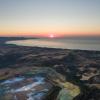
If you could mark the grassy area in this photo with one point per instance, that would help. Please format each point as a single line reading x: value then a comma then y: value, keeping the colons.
x: 64, y: 95
x: 72, y: 89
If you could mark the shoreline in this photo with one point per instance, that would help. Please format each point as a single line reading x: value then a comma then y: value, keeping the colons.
x: 4, y: 40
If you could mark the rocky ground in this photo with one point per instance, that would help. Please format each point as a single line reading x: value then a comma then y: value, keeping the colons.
x: 81, y: 68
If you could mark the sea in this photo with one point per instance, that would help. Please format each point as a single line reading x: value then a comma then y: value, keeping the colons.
x: 78, y: 43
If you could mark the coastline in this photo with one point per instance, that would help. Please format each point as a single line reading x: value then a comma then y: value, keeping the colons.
x: 50, y: 43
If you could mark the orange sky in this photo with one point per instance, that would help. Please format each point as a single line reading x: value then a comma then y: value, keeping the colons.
x: 45, y: 17
x: 21, y: 29
x: 46, y: 32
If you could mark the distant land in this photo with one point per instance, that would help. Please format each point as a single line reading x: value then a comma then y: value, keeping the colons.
x: 5, y: 39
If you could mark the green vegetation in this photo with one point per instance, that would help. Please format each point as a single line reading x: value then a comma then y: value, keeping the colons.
x: 64, y: 95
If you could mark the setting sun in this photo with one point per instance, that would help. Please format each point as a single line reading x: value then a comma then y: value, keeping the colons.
x: 51, y: 36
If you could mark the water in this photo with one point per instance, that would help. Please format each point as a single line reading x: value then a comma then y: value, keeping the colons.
x: 65, y: 43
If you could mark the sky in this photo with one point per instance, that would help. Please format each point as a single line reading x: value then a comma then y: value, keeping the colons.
x: 49, y: 17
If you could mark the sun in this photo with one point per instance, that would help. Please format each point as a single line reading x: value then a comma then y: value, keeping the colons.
x: 51, y: 36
